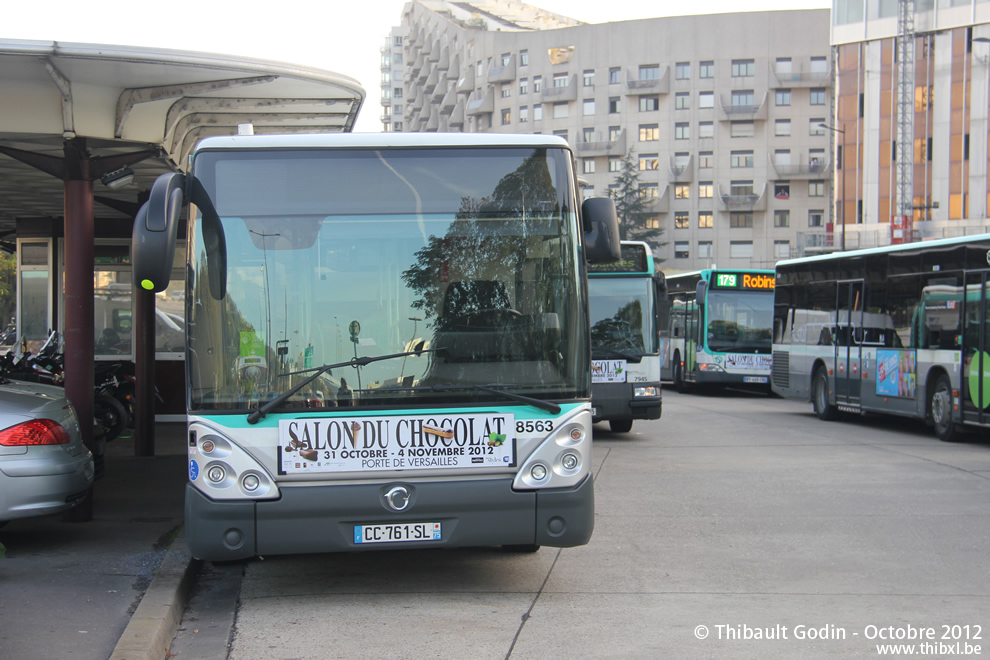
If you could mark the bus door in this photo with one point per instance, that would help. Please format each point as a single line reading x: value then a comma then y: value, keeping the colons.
x: 976, y: 349
x: 848, y: 342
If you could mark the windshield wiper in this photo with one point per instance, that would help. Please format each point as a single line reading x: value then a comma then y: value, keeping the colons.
x: 549, y: 406
x: 259, y: 414
x: 631, y: 357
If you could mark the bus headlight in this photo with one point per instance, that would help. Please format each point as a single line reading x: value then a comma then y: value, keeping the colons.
x: 710, y: 366
x: 227, y: 471
x: 538, y: 472
x: 570, y: 461
x: 650, y: 391
x: 216, y: 474
x: 562, y: 459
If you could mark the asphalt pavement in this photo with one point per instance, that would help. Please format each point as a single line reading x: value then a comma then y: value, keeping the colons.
x: 110, y: 588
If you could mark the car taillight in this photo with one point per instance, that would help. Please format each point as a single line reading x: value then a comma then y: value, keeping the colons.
x: 35, y: 432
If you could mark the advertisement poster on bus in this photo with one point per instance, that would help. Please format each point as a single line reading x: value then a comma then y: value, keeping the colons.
x: 608, y: 371
x: 896, y: 373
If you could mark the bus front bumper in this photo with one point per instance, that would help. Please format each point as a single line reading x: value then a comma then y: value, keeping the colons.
x: 316, y: 519
x: 618, y: 401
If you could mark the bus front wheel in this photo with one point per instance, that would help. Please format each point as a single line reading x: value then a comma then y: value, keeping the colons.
x: 941, y: 404
x: 823, y: 408
x: 620, y: 425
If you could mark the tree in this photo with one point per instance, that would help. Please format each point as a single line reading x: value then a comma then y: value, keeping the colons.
x: 632, y: 208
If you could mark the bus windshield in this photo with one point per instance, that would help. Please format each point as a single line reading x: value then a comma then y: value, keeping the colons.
x: 739, y: 322
x: 621, y: 314
x: 459, y: 262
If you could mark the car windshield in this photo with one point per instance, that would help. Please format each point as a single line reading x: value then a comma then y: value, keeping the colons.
x: 460, y: 262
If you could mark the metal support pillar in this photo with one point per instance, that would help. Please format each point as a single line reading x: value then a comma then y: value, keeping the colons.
x: 144, y: 372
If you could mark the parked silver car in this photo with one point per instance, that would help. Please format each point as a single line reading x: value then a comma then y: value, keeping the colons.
x: 44, y: 466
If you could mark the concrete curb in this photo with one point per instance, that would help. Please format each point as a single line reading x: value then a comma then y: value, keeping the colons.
x: 151, y: 628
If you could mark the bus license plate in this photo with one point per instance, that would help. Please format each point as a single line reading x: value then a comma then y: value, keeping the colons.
x: 755, y: 379
x: 397, y: 533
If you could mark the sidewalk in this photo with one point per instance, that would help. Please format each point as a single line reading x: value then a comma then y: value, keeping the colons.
x: 71, y: 589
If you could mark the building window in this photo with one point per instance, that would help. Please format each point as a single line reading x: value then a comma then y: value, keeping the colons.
x: 818, y: 96
x: 706, y: 160
x: 741, y: 220
x: 682, y: 130
x: 741, y: 189
x: 397, y: 93
x: 783, y: 66
x: 479, y: 68
x: 782, y: 127
x: 819, y: 65
x: 781, y: 218
x: 782, y: 190
x: 649, y: 162
x: 614, y: 164
x: 523, y: 114
x: 506, y: 90
x: 589, y: 107
x: 538, y: 112
x: 587, y: 135
x: 649, y: 71
x: 682, y: 191
x: 816, y: 189
x: 589, y: 165
x: 781, y: 249
x: 505, y: 59
x: 649, y: 191
x: 741, y: 159
x: 742, y: 97
x: 614, y: 132
x: 815, y: 126
x: 741, y: 249
x: 743, y: 68
x: 652, y: 222
x: 397, y: 126
x: 613, y: 105
x: 397, y: 41
x: 386, y: 77
x: 783, y: 97
x: 705, y: 250
x: 561, y: 80
x: 506, y: 117
x: 706, y: 69
x: 560, y: 110
x: 561, y: 133
x: 682, y: 220
x: 614, y: 75
x: 705, y: 220
x: 396, y: 59
x: 589, y: 78
x: 705, y: 189
x: 706, y: 100
x: 706, y: 129
x: 816, y: 218
x: 523, y: 58
x: 682, y: 101
x: 649, y: 103
x: 742, y: 129
x: 649, y: 132
x: 682, y: 71
x: 537, y: 84
x: 682, y: 250
x: 523, y: 86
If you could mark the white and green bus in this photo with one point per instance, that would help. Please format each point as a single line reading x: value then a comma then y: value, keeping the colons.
x: 900, y: 330
x: 386, y: 340
x: 719, y: 329
x: 628, y: 303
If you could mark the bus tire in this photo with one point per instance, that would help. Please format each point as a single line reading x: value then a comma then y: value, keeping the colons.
x: 819, y: 396
x: 679, y: 383
x: 620, y: 425
x: 941, y: 407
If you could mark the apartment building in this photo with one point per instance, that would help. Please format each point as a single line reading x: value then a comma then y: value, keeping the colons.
x: 723, y: 114
x: 946, y: 102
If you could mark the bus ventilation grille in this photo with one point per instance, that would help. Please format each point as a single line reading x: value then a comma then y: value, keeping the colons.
x: 781, y: 369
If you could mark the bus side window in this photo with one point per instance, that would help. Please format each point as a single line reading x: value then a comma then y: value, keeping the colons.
x: 825, y: 338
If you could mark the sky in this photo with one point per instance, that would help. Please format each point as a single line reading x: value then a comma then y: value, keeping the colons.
x: 335, y: 35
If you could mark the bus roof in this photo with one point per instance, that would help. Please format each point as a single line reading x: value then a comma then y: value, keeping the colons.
x: 904, y: 247
x: 381, y: 141
x: 695, y: 274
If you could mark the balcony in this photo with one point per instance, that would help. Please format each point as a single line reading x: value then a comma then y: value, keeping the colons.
x: 793, y: 79
x: 443, y: 64
x: 486, y: 104
x: 433, y: 123
x: 659, y: 204
x: 559, y: 94
x: 649, y: 86
x: 441, y: 90
x: 417, y: 103
x: 449, y: 99
x: 433, y: 53
x: 465, y: 84
x: 503, y: 73
x: 743, y: 202
x: 683, y: 170
x: 456, y: 119
x: 424, y: 75
x: 817, y: 167
x: 616, y: 147
x: 732, y: 112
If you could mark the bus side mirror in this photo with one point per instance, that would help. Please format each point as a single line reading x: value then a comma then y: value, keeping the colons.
x: 699, y: 292
x: 601, y: 230
x: 153, y: 237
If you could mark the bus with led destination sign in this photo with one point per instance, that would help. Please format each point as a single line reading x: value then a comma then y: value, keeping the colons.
x: 387, y: 341
x: 628, y: 305
x: 720, y: 328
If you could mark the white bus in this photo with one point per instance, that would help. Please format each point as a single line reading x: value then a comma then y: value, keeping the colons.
x: 628, y: 299
x: 899, y: 330
x: 386, y: 343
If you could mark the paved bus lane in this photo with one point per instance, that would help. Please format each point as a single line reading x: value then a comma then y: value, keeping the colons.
x: 736, y: 526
